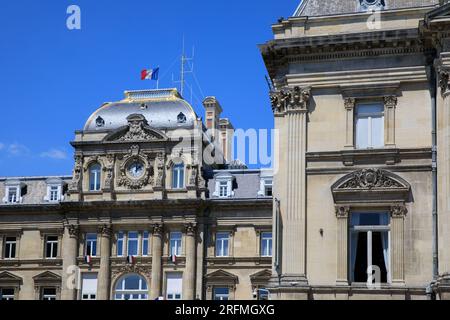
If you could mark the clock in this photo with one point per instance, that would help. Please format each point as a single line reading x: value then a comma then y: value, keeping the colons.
x: 136, y: 169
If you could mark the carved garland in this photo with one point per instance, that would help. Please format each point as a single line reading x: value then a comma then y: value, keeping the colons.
x: 369, y: 179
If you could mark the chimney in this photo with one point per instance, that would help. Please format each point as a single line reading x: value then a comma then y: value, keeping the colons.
x: 212, y: 115
x: 226, y: 138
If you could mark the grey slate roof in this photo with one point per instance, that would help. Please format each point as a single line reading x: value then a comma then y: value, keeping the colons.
x: 36, y: 188
x: 330, y: 7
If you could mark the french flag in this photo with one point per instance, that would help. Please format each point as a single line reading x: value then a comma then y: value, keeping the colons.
x: 131, y: 259
x: 88, y: 259
x: 173, y: 258
x: 150, y: 74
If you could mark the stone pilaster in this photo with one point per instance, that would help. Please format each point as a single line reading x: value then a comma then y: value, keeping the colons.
x: 349, y: 104
x: 157, y: 234
x: 104, y: 275
x: 189, y: 271
x: 291, y: 104
x: 342, y: 214
x: 69, y: 255
x: 390, y: 102
x: 397, y: 263
x: 200, y: 245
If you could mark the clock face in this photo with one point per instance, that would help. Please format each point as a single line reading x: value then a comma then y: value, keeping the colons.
x: 136, y: 169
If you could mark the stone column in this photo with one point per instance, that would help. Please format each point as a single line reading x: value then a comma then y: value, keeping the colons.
x: 291, y: 104
x: 342, y: 245
x: 390, y: 102
x: 69, y: 255
x: 189, y: 271
x: 104, y: 275
x: 155, y: 290
x: 397, y: 264
x: 349, y: 129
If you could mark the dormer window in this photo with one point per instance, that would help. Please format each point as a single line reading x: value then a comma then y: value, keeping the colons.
x: 224, y: 186
x: 14, y: 190
x: 369, y: 5
x: 54, y: 190
x: 266, y: 184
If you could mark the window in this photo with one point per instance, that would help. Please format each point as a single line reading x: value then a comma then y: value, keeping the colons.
x: 369, y: 247
x: 54, y: 193
x: 222, y: 244
x: 178, y: 176
x: 13, y: 194
x: 266, y: 244
x: 268, y: 187
x: 133, y: 243
x: 6, y: 294
x: 131, y: 287
x: 94, y: 177
x: 175, y: 243
x: 223, y: 189
x: 370, y: 126
x: 89, y: 286
x: 221, y: 294
x: 145, y: 236
x: 174, y: 286
x: 120, y: 244
x: 91, y: 244
x: 48, y: 294
x: 51, y: 247
x: 10, y: 247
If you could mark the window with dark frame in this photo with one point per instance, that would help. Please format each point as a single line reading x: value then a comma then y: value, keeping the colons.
x: 221, y: 293
x: 10, y: 247
x: 369, y: 247
x: 48, y: 294
x: 91, y: 244
x: 51, y: 247
x: 7, y: 294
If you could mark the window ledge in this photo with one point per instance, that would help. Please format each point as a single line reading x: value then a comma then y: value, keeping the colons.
x: 176, y: 190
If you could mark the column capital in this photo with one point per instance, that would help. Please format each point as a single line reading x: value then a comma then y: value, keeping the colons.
x: 190, y: 229
x: 73, y: 230
x: 105, y: 230
x: 158, y: 229
x: 342, y: 212
x: 349, y: 103
x: 398, y: 211
x: 444, y: 81
x: 390, y: 101
x: 290, y: 100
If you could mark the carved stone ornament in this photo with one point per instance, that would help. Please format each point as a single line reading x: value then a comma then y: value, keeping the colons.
x: 73, y: 230
x: 342, y: 212
x: 190, y: 229
x: 131, y: 268
x: 128, y: 179
x: 349, y: 103
x: 160, y: 178
x: 290, y: 99
x: 105, y: 230
x: 137, y: 131
x: 109, y: 170
x: 390, y: 101
x: 369, y: 179
x: 398, y: 211
x: 75, y: 184
x: 157, y: 229
x: 444, y: 81
x: 194, y: 174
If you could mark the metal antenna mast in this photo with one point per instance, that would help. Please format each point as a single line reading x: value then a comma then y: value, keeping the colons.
x: 184, y: 71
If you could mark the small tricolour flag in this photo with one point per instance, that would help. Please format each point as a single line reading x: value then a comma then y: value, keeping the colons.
x: 88, y: 259
x: 131, y: 259
x: 150, y: 74
x: 173, y: 258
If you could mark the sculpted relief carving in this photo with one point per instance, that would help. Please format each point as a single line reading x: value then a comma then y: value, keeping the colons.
x: 290, y: 99
x: 370, y: 178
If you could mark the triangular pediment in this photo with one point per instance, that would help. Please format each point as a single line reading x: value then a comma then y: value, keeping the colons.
x: 438, y: 14
x: 136, y: 130
x: 47, y: 276
x: 222, y: 276
x: 8, y: 277
x: 263, y: 275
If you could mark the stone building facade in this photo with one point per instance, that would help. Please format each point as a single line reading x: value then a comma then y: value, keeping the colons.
x: 360, y: 99
x: 144, y: 216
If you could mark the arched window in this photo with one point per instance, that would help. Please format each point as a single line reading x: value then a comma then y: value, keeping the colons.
x: 131, y: 287
x: 94, y: 177
x: 178, y: 176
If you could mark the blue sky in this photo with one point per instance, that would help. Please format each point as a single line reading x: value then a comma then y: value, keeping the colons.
x: 53, y: 78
